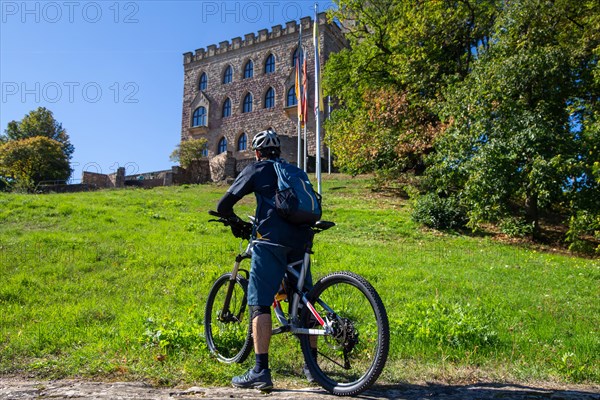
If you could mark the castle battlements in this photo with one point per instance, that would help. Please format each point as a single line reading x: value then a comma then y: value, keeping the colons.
x: 250, y: 39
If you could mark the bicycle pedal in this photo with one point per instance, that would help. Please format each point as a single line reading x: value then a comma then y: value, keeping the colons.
x: 280, y: 329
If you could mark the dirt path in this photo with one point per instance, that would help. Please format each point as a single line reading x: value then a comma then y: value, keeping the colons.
x: 18, y: 388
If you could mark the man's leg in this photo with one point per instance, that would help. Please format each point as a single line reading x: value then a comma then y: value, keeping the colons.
x: 268, y: 267
x: 258, y: 377
x: 261, y: 332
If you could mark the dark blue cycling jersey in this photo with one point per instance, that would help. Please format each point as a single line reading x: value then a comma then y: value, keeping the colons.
x: 260, y: 178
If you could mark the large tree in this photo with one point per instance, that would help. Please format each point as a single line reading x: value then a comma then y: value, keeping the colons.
x: 30, y: 161
x: 35, y: 149
x: 523, y: 127
x: 390, y: 82
x: 39, y: 122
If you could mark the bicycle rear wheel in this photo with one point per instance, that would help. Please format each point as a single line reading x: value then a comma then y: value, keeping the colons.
x: 351, y: 358
x: 228, y: 332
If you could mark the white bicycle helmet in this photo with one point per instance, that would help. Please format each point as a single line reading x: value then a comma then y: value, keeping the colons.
x: 265, y: 139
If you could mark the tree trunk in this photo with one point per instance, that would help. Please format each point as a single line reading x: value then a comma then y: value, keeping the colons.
x: 533, y: 214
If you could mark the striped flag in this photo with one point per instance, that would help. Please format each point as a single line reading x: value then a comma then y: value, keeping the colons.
x: 304, y: 90
x: 300, y: 79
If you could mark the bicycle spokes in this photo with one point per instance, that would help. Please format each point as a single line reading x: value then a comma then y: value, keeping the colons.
x: 353, y: 346
x: 227, y: 328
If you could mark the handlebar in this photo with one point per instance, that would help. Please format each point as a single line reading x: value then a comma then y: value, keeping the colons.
x: 238, y: 226
x: 223, y: 220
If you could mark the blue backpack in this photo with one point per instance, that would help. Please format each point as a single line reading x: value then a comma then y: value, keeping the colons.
x: 295, y: 199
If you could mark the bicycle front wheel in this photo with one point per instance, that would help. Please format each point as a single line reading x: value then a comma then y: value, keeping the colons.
x: 228, y: 330
x: 351, y: 357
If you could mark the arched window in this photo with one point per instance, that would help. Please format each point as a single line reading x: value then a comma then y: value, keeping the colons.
x: 247, y: 103
x: 270, y: 98
x: 222, y: 147
x: 270, y: 64
x: 248, y: 69
x: 291, y: 99
x: 227, y: 108
x: 203, y: 83
x: 228, y: 75
x: 199, y: 118
x: 242, y: 142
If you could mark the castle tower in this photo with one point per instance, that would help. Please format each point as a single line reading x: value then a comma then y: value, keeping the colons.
x: 238, y: 88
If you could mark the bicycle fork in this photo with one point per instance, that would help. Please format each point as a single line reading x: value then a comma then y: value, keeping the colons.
x: 225, y: 314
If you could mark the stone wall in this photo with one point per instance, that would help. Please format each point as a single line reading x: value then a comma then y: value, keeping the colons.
x: 116, y: 180
x: 198, y: 172
x: 222, y: 167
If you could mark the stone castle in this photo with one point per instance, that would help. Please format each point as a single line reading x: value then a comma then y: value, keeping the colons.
x: 231, y: 92
x: 238, y: 88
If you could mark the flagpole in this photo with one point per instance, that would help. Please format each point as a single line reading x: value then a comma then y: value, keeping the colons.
x: 298, y: 83
x: 317, y: 100
x: 328, y: 146
x: 305, y: 150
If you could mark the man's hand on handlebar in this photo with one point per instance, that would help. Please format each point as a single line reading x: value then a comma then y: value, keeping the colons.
x: 240, y: 229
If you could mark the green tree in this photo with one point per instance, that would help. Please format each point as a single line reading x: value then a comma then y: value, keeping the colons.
x: 523, y: 126
x: 32, y: 160
x: 389, y: 84
x: 188, y: 151
x: 35, y: 149
x: 39, y: 122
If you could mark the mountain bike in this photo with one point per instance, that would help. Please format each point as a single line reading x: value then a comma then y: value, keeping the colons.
x: 341, y: 321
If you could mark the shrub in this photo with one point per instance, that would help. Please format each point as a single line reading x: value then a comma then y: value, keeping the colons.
x: 583, y: 223
x: 516, y: 227
x: 438, y: 212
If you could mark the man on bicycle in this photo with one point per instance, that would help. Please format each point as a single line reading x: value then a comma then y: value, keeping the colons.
x: 276, y: 243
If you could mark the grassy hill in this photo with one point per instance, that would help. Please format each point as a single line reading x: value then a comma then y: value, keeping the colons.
x: 112, y: 285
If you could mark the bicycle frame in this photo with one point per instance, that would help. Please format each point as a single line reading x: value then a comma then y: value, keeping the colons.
x: 290, y: 323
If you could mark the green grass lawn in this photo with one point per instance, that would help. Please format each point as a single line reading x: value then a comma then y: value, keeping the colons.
x: 112, y: 285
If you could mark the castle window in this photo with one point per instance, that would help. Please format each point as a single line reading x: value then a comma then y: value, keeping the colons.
x: 203, y: 84
x: 228, y: 75
x: 227, y: 108
x: 205, y: 150
x: 242, y: 142
x: 247, y: 103
x: 270, y: 64
x: 222, y: 147
x: 249, y: 69
x: 199, y: 117
x: 291, y: 97
x: 270, y: 98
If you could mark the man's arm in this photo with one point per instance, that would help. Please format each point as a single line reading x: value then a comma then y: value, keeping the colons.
x: 242, y: 186
x: 225, y: 205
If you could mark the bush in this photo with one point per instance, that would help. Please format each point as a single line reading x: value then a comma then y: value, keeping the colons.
x: 516, y: 227
x: 4, y: 185
x: 582, y: 224
x: 438, y: 212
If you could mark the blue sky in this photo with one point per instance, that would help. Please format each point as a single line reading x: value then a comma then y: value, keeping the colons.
x: 112, y: 71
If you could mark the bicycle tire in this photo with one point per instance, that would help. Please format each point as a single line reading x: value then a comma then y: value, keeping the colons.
x: 229, y: 340
x: 363, y: 336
